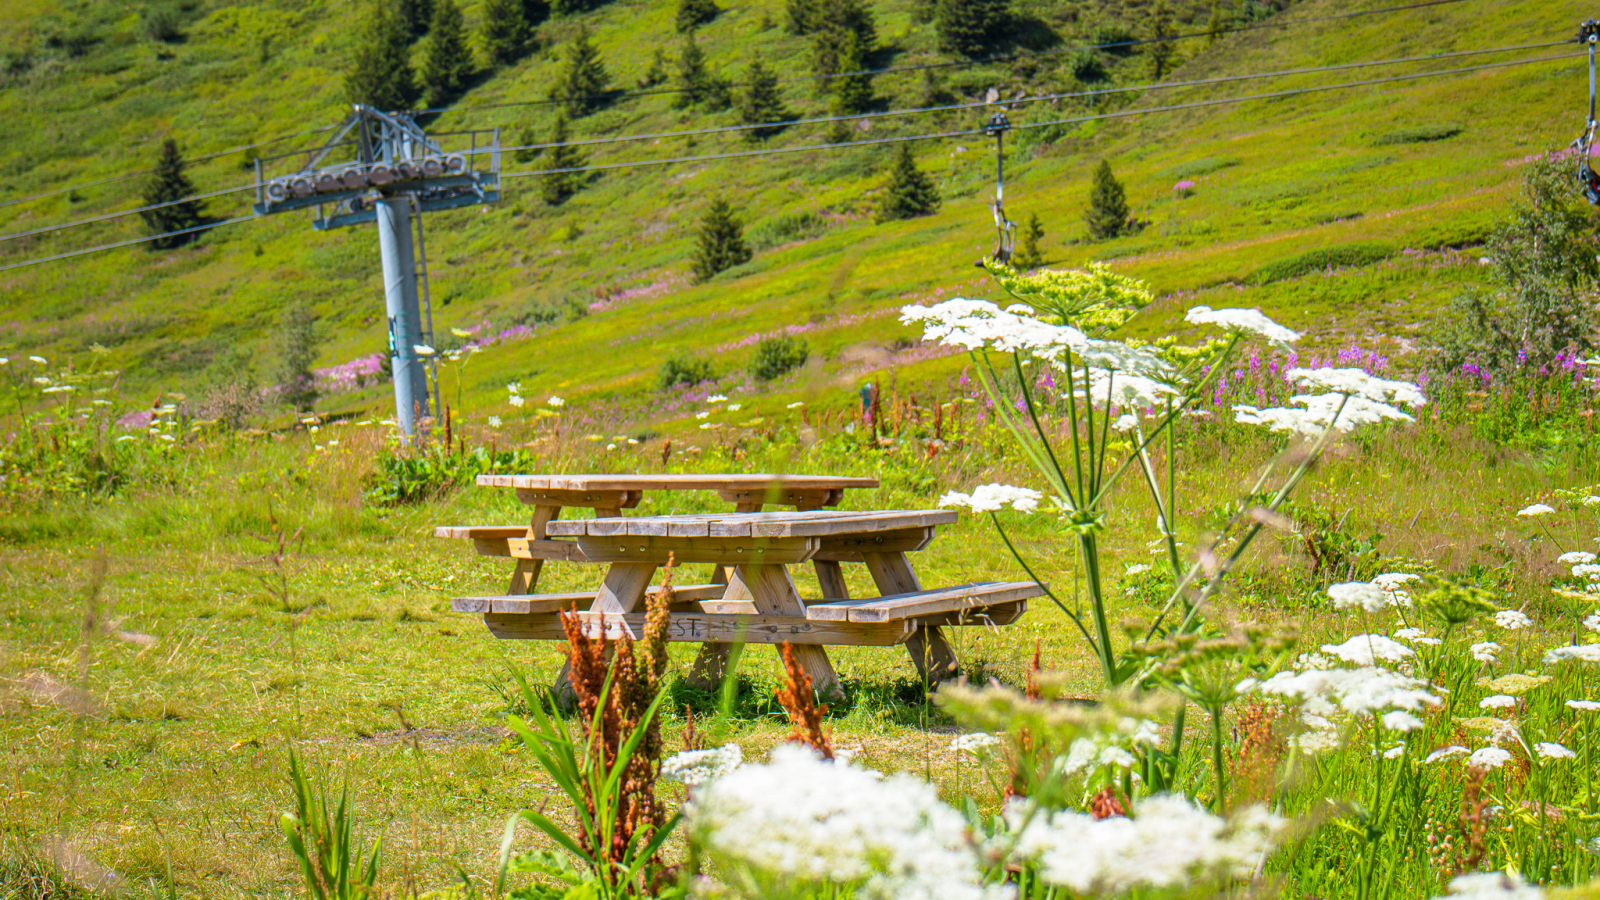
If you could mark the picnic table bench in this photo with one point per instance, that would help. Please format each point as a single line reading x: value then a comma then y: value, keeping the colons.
x: 752, y: 597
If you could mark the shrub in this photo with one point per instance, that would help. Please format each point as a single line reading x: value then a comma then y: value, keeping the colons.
x: 406, y: 476
x: 1115, y: 38
x: 1086, y: 66
x: 684, y: 369
x: 777, y: 356
x: 787, y: 227
x: 163, y: 22
x: 1343, y: 256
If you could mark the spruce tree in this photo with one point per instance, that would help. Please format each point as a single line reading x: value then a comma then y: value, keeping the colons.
x: 298, y: 337
x: 526, y: 138
x: 416, y: 16
x: 1162, y: 46
x: 910, y: 192
x: 1215, y: 25
x: 583, y: 83
x: 801, y: 16
x: 694, y: 13
x: 852, y: 90
x: 1029, y: 257
x: 167, y: 184
x: 535, y: 12
x: 1108, y: 205
x: 970, y: 27
x: 836, y: 20
x: 503, y: 31
x: 721, y: 242
x: 761, y: 101
x: 447, y: 65
x: 656, y: 73
x: 380, y: 74
x: 558, y: 186
x: 693, y: 79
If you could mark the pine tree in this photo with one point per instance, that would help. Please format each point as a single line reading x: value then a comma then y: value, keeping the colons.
x: 558, y: 186
x: 166, y: 185
x: 656, y: 73
x: 802, y: 16
x: 583, y: 82
x: 535, y: 12
x: 416, y: 16
x: 1215, y: 25
x: 298, y: 336
x: 504, y: 31
x: 721, y: 242
x: 447, y: 65
x: 761, y: 102
x: 1108, y: 205
x: 852, y: 92
x: 970, y: 27
x: 526, y: 138
x: 836, y: 20
x: 694, y: 13
x: 693, y: 79
x: 380, y: 74
x: 909, y: 192
x: 1028, y: 257
x: 1162, y: 46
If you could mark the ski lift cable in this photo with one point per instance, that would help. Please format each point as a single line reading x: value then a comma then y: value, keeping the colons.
x: 773, y: 151
x: 962, y: 63
x: 1198, y: 82
x: 1040, y: 98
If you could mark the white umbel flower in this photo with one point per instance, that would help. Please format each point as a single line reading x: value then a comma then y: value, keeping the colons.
x: 1357, y: 383
x: 1497, y: 701
x: 992, y: 497
x: 1486, y: 652
x: 1394, y: 581
x: 1367, y: 649
x: 1584, y: 705
x: 1587, y: 653
x: 1491, y: 886
x: 1488, y: 758
x: 1399, y: 720
x: 1251, y: 320
x: 697, y: 767
x: 1550, y: 750
x: 1358, y: 595
x: 1512, y: 619
x: 974, y: 744
x: 1575, y: 557
x: 1443, y: 753
x: 1537, y: 509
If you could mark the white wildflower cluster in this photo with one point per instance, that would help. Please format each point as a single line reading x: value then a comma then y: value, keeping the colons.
x: 1454, y: 751
x: 1485, y: 652
x: 1121, y: 389
x: 1491, y: 886
x: 514, y: 390
x: 1354, y: 398
x: 1551, y: 750
x: 1575, y: 557
x: 1357, y: 383
x: 1111, y: 749
x: 1512, y: 619
x: 1584, y: 653
x: 1369, y: 649
x: 1584, y: 705
x: 1488, y: 758
x: 978, y: 324
x: 1587, y: 571
x: 1358, y: 595
x: 1251, y: 320
x: 697, y: 767
x: 1417, y: 636
x: 1592, y: 622
x: 976, y: 744
x: 992, y: 497
x: 1167, y: 843
x: 1497, y: 701
x: 801, y: 820
x: 1395, y: 583
x: 1536, y: 509
x: 1366, y: 690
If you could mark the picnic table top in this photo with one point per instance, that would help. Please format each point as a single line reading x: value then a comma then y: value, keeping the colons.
x: 814, y: 523
x: 712, y: 482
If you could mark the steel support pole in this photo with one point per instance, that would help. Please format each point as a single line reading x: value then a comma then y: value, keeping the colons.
x: 405, y: 313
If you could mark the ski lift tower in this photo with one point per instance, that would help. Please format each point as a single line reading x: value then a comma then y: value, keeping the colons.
x: 391, y: 172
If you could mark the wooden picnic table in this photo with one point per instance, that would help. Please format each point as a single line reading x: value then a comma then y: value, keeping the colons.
x: 759, y: 602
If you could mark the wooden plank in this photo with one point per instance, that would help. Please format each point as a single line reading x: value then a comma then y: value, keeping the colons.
x: 905, y: 540
x: 913, y: 604
x: 930, y: 652
x: 774, y: 595
x: 526, y: 575
x: 624, y: 587
x: 994, y: 615
x: 801, y: 498
x: 594, y: 499
x: 822, y: 523
x: 728, y: 551
x: 708, y: 482
x: 480, y: 532
x: 529, y: 548
x: 830, y: 576
x: 705, y: 597
x: 703, y: 627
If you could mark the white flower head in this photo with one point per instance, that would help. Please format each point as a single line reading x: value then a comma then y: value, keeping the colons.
x: 1591, y: 571
x: 1126, y: 422
x: 556, y: 402
x: 697, y: 767
x: 1492, y: 886
x: 716, y: 398
x: 1488, y: 758
x: 975, y: 744
x: 1444, y: 753
x: 494, y: 421
x: 1550, y: 750
x: 1368, y: 649
x: 1584, y: 705
x: 1357, y: 383
x: 515, y: 400
x: 1537, y: 509
x: 735, y: 407
x: 1400, y: 720
x: 1394, y: 581
x: 1584, y: 653
x: 1486, y: 652
x: 514, y: 387
x: 796, y: 405
x: 1339, y: 412
x: 1592, y: 621
x: 39, y: 359
x: 1575, y: 557
x: 1512, y: 619
x: 978, y: 324
x: 1358, y: 595
x: 992, y: 497
x: 1251, y: 320
x: 1497, y: 701
x: 422, y: 350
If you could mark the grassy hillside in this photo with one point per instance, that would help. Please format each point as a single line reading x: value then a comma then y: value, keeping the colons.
x: 1402, y: 170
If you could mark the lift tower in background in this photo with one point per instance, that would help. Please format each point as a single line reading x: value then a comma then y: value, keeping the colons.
x: 391, y: 173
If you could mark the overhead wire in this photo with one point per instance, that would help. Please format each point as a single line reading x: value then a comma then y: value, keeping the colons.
x: 964, y: 63
x: 128, y: 243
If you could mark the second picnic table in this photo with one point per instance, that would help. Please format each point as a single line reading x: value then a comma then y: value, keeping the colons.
x: 753, y: 598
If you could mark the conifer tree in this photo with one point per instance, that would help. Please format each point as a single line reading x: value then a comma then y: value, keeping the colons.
x: 1029, y: 257
x: 761, y: 101
x: 504, y: 31
x: 1162, y: 46
x: 416, y: 16
x: 721, y: 242
x: 447, y: 65
x: 1108, y: 205
x: 583, y: 82
x: 380, y: 74
x: 656, y: 73
x: 167, y: 184
x: 852, y: 91
x: 572, y: 7
x: 801, y: 16
x: 1215, y: 25
x: 693, y: 79
x: 526, y: 138
x: 298, y: 337
x: 534, y: 12
x: 558, y: 186
x: 694, y: 13
x: 970, y: 27
x: 909, y: 193
x: 835, y: 21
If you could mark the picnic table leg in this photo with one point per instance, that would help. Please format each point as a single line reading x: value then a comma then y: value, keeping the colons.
x: 527, y: 571
x: 830, y: 575
x: 933, y: 656
x: 623, y: 591
x: 711, y: 663
x: 774, y: 594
